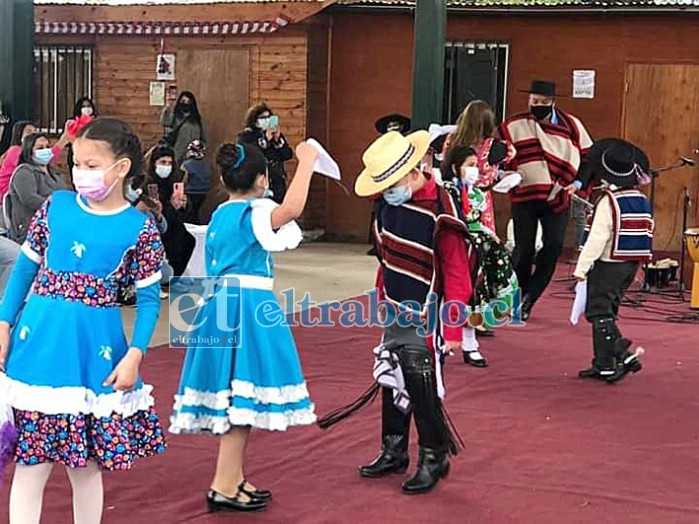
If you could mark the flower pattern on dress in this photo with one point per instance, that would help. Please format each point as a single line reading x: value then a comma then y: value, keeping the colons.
x: 147, y: 258
x: 78, y: 249
x: 113, y: 442
x: 38, y: 230
x: 106, y: 352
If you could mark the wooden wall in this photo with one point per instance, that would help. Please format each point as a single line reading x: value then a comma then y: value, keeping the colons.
x: 372, y: 75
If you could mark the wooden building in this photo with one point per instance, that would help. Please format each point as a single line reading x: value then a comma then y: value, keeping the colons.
x: 331, y: 68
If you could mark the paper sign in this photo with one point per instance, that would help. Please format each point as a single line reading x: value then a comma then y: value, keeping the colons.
x: 437, y: 130
x: 165, y: 68
x: 579, y: 303
x: 325, y: 164
x: 157, y: 93
x: 584, y: 84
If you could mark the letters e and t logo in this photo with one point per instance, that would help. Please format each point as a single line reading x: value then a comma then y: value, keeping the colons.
x: 205, y: 312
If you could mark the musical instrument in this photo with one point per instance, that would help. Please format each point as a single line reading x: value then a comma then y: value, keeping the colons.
x: 691, y: 237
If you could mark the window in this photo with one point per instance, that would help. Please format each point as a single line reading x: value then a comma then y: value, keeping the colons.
x: 63, y: 74
x: 475, y: 71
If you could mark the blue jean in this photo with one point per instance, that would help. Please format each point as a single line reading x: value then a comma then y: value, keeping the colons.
x: 579, y: 218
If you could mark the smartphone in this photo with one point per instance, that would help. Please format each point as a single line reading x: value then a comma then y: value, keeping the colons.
x: 153, y: 191
x: 179, y: 188
x: 273, y: 122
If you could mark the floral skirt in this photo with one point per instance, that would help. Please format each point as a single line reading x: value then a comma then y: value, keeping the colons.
x: 113, y: 442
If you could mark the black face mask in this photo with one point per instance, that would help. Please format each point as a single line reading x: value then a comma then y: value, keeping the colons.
x: 541, y: 112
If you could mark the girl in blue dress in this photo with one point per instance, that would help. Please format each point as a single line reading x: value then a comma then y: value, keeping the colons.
x: 67, y: 371
x: 242, y: 369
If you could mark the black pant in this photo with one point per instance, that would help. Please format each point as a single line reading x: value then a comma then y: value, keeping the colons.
x: 277, y: 183
x: 526, y: 217
x: 179, y: 245
x: 606, y: 283
x: 419, y: 375
x: 196, y: 200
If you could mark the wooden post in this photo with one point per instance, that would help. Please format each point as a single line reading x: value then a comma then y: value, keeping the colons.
x: 17, y: 58
x: 428, y: 70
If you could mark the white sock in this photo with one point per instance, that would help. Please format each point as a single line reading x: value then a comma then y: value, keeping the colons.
x: 469, y: 342
x: 88, y: 493
x: 27, y: 494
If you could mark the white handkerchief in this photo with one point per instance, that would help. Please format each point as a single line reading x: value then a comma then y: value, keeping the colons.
x: 437, y: 130
x: 579, y: 303
x: 325, y: 164
x: 508, y: 183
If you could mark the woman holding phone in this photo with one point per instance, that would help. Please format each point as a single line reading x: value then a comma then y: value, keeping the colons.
x: 262, y: 130
x: 164, y: 187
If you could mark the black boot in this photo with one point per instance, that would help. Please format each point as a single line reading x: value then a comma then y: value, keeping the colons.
x: 525, y: 309
x: 395, y: 429
x: 436, y: 440
x: 628, y: 363
x: 432, y: 466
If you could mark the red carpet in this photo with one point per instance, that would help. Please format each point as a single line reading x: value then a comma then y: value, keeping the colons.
x: 542, y: 446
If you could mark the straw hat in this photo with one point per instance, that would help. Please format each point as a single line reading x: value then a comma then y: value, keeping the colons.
x: 389, y: 159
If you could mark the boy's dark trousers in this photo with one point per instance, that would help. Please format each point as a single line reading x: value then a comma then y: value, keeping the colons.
x: 606, y: 283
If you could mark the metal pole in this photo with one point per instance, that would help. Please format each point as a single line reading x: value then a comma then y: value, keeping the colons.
x: 428, y: 67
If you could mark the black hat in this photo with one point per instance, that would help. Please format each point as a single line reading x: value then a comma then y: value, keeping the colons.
x: 393, y: 122
x: 543, y: 88
x: 617, y: 161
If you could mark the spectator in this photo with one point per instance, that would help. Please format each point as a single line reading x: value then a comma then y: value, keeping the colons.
x: 33, y: 181
x: 182, y: 125
x: 262, y: 130
x: 197, y: 176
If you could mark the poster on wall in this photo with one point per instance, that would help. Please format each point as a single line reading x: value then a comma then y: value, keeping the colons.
x: 583, y: 84
x: 166, y: 67
x: 157, y: 93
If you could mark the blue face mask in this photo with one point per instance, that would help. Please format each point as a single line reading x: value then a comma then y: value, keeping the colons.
x: 397, y: 196
x: 43, y: 156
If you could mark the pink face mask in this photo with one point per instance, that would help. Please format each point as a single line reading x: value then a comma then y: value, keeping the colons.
x: 90, y: 183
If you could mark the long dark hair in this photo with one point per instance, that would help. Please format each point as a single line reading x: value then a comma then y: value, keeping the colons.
x: 254, y: 113
x: 165, y: 185
x: 193, y: 108
x: 123, y: 142
x: 240, y: 165
x: 17, y: 130
x: 77, y: 110
x: 454, y: 160
x: 27, y: 154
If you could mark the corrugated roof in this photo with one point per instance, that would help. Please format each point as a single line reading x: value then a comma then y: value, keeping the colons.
x: 536, y: 4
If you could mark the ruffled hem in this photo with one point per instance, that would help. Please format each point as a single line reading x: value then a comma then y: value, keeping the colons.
x: 113, y: 442
x: 182, y: 423
x: 73, y: 400
x: 241, y: 388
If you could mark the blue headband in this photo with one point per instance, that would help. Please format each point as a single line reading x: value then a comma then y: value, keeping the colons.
x: 241, y: 156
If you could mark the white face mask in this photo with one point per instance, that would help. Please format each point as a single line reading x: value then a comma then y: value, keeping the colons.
x: 90, y: 183
x: 469, y: 175
x: 263, y: 123
x: 86, y: 111
x: 131, y: 194
x: 163, y: 171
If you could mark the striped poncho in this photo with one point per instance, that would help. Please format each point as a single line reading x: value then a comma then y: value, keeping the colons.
x: 547, y: 155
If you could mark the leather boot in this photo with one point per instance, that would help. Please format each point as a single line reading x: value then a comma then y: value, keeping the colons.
x: 395, y: 429
x: 432, y: 466
x: 435, y: 439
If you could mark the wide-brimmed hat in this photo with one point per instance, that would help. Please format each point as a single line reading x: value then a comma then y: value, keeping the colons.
x: 388, y: 159
x: 543, y: 88
x: 617, y: 161
x: 393, y: 122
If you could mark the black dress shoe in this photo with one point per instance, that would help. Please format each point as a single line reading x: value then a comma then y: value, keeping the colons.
x: 475, y: 362
x: 432, y: 466
x: 385, y: 464
x: 594, y: 372
x: 629, y: 363
x: 218, y: 502
x: 526, y: 308
x: 259, y: 494
x: 485, y: 332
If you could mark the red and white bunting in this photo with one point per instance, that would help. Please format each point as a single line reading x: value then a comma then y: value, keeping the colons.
x: 161, y: 28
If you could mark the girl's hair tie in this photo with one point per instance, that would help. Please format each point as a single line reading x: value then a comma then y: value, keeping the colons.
x: 241, y: 156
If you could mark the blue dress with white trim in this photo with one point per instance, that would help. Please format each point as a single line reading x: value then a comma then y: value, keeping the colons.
x: 254, y: 378
x: 68, y: 337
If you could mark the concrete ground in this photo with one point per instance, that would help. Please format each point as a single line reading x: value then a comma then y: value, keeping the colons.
x: 325, y: 271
